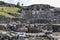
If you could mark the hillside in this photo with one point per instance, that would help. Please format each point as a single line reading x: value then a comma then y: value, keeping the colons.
x: 11, y: 10
x: 6, y: 8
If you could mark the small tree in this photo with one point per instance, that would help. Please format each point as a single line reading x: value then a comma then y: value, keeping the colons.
x: 22, y: 4
x: 18, y: 4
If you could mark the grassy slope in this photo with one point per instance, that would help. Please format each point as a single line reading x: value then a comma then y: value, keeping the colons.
x: 10, y: 9
x: 4, y: 11
x: 6, y: 15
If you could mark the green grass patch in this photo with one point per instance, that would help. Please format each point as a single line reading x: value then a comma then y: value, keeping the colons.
x: 40, y: 38
x: 4, y: 11
x: 9, y: 9
x: 6, y: 15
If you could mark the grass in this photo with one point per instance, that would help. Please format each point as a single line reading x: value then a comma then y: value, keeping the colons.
x: 6, y: 15
x: 41, y: 38
x: 10, y: 9
x: 4, y: 11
